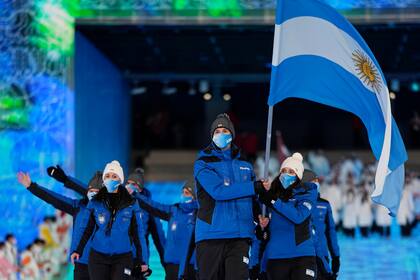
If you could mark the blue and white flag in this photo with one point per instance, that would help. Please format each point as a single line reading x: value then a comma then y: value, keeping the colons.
x: 319, y: 56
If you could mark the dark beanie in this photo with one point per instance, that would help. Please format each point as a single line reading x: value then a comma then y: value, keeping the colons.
x: 222, y: 120
x: 308, y: 176
x: 190, y: 186
x: 96, y: 181
x: 138, y: 177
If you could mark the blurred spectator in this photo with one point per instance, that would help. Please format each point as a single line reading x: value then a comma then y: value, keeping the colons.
x: 352, y: 165
x: 273, y: 167
x: 364, y: 211
x: 415, y: 186
x: 350, y: 208
x: 7, y: 269
x: 319, y: 163
x: 29, y: 269
x: 11, y: 250
x: 383, y: 220
x: 333, y: 194
x: 405, y: 215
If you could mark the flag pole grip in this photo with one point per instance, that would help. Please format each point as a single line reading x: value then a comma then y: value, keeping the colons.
x: 267, y: 149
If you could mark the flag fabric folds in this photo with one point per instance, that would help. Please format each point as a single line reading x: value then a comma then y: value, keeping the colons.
x: 319, y: 56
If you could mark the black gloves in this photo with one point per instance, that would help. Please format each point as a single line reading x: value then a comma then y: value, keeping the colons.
x: 136, y: 273
x: 262, y: 234
x: 57, y: 173
x: 267, y: 196
x: 264, y: 196
x: 335, y: 265
x: 259, y: 187
x: 254, y: 273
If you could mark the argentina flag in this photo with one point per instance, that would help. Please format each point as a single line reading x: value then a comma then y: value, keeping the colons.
x: 319, y: 56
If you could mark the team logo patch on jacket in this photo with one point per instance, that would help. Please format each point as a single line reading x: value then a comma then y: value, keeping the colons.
x: 101, y: 218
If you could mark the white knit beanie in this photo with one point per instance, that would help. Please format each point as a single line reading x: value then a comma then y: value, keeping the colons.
x: 115, y: 167
x: 294, y: 162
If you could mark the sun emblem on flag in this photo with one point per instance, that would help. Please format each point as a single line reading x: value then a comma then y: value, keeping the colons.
x: 366, y: 70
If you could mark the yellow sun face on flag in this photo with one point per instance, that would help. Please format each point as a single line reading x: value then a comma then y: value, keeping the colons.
x: 366, y: 70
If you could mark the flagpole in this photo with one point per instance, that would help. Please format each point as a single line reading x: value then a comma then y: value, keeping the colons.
x: 267, y: 149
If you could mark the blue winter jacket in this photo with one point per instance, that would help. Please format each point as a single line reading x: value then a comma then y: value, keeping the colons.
x: 225, y: 190
x: 181, y: 223
x: 74, y: 207
x: 326, y: 244
x: 290, y: 224
x: 114, y: 228
x: 152, y: 227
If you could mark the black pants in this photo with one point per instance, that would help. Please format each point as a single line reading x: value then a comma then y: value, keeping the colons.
x: 349, y: 232
x: 220, y: 259
x: 385, y: 231
x: 406, y: 230
x: 81, y: 271
x: 106, y: 267
x: 171, y: 271
x: 301, y: 268
x: 364, y: 231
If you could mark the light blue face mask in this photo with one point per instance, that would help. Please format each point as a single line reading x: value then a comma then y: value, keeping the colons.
x: 222, y: 140
x: 185, y: 199
x: 90, y: 195
x: 131, y: 187
x: 318, y: 186
x: 111, y: 185
x: 286, y: 179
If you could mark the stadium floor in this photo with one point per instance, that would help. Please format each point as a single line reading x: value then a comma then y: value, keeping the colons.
x: 362, y: 259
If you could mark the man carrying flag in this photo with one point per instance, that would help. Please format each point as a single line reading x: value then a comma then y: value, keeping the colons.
x: 319, y: 56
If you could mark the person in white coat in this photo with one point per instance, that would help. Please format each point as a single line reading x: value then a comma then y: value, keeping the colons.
x: 29, y: 267
x: 11, y: 252
x: 405, y: 215
x: 364, y: 211
x: 383, y: 220
x: 350, y: 207
x: 333, y: 193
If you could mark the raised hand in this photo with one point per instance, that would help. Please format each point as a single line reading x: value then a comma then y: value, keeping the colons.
x: 24, y: 179
x: 57, y: 173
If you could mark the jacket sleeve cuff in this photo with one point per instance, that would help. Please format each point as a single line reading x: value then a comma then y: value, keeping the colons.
x: 32, y: 185
x: 277, y: 204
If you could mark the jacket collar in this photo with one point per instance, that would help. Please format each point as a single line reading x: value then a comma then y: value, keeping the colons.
x: 125, y: 199
x: 213, y: 150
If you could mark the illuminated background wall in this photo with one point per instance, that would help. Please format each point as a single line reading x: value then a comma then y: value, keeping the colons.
x: 36, y: 106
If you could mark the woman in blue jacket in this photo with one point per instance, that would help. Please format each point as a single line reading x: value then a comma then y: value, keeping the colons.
x: 326, y: 245
x: 290, y: 250
x: 151, y: 226
x: 114, y: 225
x: 181, y: 223
x: 226, y: 186
x: 73, y: 207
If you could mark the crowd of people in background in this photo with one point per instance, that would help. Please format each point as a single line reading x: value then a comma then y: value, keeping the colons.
x: 41, y: 259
